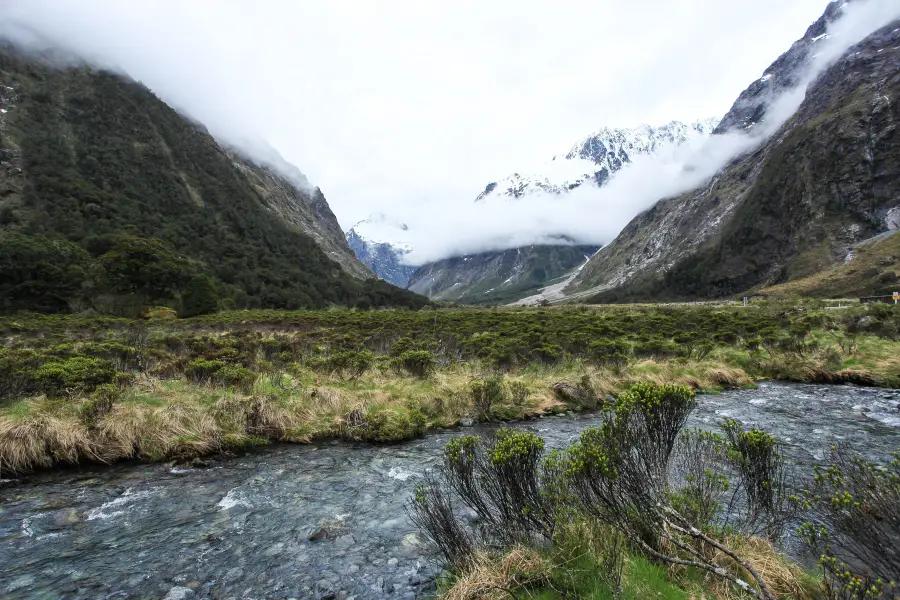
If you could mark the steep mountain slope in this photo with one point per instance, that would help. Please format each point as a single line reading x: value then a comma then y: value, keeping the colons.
x: 497, y: 277
x: 91, y: 156
x: 596, y: 158
x: 827, y: 179
x: 380, y: 243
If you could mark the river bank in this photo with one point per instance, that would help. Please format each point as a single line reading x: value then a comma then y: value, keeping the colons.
x: 78, y: 390
x: 309, y: 520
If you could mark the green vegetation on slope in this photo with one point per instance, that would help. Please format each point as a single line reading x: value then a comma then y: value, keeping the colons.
x: 92, y: 158
x: 874, y: 270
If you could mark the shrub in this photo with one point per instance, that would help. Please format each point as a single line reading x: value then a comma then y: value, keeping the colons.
x: 235, y: 376
x: 613, y: 353
x: 855, y: 525
x: 349, y: 363
x: 501, y: 479
x: 761, y: 475
x: 619, y: 472
x: 386, y: 424
x: 419, y: 363
x: 199, y: 297
x: 486, y: 393
x: 100, y: 403
x: 518, y: 392
x: 74, y: 375
x: 202, y: 370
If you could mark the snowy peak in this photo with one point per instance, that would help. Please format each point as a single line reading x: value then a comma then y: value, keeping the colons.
x: 595, y: 158
x: 380, y: 242
x: 379, y: 228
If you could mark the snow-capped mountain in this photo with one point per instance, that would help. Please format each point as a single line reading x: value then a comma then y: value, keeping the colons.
x: 595, y: 158
x: 380, y: 242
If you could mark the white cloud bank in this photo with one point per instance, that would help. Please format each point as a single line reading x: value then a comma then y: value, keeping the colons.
x: 592, y: 215
x: 410, y: 108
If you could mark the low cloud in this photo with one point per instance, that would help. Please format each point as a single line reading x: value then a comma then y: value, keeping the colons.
x: 591, y: 215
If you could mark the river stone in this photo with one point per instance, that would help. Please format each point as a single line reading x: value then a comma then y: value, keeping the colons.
x: 324, y: 589
x: 466, y: 422
x: 392, y: 562
x: 316, y: 534
x: 345, y: 542
x: 180, y: 593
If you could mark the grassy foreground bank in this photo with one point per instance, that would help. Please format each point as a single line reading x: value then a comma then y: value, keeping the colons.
x: 89, y: 389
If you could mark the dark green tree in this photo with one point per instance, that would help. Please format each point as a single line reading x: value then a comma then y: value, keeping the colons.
x: 200, y: 296
x: 143, y: 267
x: 40, y: 274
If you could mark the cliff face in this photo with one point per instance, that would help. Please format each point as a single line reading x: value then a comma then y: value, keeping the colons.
x: 827, y: 179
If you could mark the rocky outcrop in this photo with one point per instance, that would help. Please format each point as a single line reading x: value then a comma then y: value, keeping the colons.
x: 828, y: 178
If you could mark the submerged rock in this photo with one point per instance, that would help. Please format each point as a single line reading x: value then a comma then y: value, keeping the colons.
x: 180, y: 593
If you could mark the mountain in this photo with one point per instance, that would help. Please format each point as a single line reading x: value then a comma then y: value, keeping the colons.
x: 792, y: 207
x: 380, y: 243
x: 596, y: 158
x: 517, y: 273
x: 498, y: 277
x: 95, y: 169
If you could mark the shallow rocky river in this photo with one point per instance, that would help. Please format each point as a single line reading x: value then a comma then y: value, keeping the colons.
x: 248, y: 527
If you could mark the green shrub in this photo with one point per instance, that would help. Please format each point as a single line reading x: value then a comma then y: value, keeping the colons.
x: 74, y: 375
x: 386, y: 424
x: 419, y: 363
x: 486, y: 393
x: 202, y: 370
x: 235, y: 376
x: 348, y: 363
x: 613, y: 353
x: 100, y: 403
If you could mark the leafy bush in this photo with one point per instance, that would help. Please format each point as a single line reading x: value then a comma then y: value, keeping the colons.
x: 386, y: 424
x: 100, y: 403
x: 486, y: 393
x: 620, y: 474
x: 613, y: 353
x: 199, y: 297
x: 855, y: 525
x: 501, y: 479
x: 74, y: 375
x: 235, y: 376
x: 419, y: 363
x: 202, y: 370
x: 762, y: 477
x: 348, y: 363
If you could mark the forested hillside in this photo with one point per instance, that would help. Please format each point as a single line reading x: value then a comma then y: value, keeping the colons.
x: 110, y: 199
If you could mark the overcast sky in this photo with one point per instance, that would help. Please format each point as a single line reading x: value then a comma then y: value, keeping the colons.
x: 388, y: 104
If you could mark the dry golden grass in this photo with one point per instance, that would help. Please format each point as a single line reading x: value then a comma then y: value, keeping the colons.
x: 161, y: 419
x: 39, y: 439
x: 488, y: 577
x: 784, y: 578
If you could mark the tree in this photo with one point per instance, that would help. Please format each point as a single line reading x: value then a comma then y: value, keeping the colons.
x: 145, y: 270
x: 40, y: 274
x: 200, y: 296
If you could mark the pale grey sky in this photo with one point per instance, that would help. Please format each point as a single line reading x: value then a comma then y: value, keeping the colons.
x: 397, y: 103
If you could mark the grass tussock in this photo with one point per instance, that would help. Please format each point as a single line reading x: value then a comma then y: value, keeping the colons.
x: 490, y: 578
x: 785, y: 578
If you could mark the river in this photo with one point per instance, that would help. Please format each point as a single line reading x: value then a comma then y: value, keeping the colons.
x: 247, y: 527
